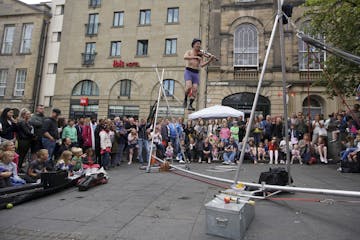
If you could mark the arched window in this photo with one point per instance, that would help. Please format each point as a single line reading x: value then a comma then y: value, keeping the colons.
x: 315, y: 107
x: 169, y: 86
x: 125, y: 88
x: 86, y: 88
x: 246, y: 47
x: 316, y: 57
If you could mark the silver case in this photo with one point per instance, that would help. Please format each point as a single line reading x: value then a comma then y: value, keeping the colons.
x: 228, y: 220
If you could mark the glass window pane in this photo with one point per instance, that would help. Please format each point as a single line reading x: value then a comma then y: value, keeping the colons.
x: 246, y: 46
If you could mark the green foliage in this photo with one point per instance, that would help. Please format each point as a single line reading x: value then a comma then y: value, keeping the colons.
x: 339, y: 22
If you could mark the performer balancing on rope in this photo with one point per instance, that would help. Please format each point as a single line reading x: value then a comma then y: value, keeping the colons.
x: 194, y: 61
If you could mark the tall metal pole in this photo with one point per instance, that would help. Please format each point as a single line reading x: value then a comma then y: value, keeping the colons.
x: 156, y: 116
x: 252, y: 115
x: 285, y: 95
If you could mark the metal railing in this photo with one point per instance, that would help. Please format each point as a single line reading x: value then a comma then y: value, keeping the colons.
x: 92, y: 29
x: 94, y: 3
x: 88, y: 59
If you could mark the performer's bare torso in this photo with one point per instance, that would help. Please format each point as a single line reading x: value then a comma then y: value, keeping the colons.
x: 195, y: 62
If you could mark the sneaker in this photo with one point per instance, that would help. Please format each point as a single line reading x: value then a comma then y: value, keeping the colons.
x: 190, y: 108
x: 232, y: 163
x: 282, y: 162
x: 182, y: 161
x: 339, y: 169
x: 225, y: 163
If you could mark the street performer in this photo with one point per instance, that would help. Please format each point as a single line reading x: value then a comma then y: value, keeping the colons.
x: 194, y: 60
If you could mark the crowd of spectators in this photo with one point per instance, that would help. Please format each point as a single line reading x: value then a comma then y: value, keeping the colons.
x: 32, y: 143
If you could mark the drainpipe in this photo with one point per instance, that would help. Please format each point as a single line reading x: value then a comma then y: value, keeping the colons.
x: 40, y: 62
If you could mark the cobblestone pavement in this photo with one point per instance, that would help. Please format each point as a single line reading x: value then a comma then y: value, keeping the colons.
x: 135, y: 205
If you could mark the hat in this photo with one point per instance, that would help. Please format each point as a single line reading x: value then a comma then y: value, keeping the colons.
x: 57, y: 111
x: 195, y: 40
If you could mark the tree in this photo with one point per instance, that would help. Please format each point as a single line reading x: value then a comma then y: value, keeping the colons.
x: 339, y: 22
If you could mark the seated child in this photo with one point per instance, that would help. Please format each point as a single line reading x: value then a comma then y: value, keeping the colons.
x: 89, y: 160
x: 192, y: 149
x: 8, y: 172
x: 296, y: 154
x: 37, y: 166
x: 261, y: 152
x: 206, y: 151
x: 253, y: 154
x: 273, y: 150
x: 77, y: 159
x: 169, y: 151
x: 64, y: 162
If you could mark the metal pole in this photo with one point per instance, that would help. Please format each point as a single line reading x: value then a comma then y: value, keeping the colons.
x: 156, y: 115
x: 344, y: 193
x: 285, y: 95
x: 256, y: 100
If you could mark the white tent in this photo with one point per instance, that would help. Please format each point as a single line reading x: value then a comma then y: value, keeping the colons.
x: 216, y: 111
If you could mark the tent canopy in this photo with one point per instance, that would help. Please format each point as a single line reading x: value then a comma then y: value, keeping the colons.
x: 216, y: 111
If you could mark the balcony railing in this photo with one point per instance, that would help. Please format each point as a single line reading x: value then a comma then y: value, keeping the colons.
x: 88, y: 59
x: 246, y: 75
x: 94, y: 3
x: 92, y: 29
x: 312, y: 76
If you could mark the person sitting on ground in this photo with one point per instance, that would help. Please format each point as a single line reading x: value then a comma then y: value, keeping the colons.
x: 306, y: 149
x: 10, y: 146
x: 37, y: 166
x: 77, y: 159
x: 206, y: 151
x: 64, y: 162
x: 192, y: 149
x: 273, y: 150
x: 261, y: 152
x: 169, y: 151
x: 66, y: 145
x: 253, y: 154
x: 89, y: 161
x: 295, y: 154
x: 230, y: 149
x: 7, y: 166
x: 322, y: 149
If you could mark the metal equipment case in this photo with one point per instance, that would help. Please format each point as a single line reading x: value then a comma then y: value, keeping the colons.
x: 228, y: 220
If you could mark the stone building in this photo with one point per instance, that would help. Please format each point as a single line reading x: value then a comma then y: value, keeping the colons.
x: 239, y: 33
x: 109, y: 51
x: 51, y: 58
x: 23, y: 29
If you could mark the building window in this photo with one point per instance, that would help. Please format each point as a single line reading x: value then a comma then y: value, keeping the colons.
x: 94, y: 3
x: 142, y: 47
x: 316, y: 58
x: 172, y: 111
x: 26, y: 38
x: 115, y: 49
x: 8, y: 39
x: 124, y: 111
x: 315, y: 106
x: 85, y: 88
x: 59, y: 9
x: 3, y: 80
x: 169, y: 86
x: 20, y: 82
x: 125, y: 88
x: 52, y: 69
x: 89, y: 55
x: 145, y: 17
x: 246, y: 47
x: 173, y: 15
x: 118, y: 19
x: 56, y: 37
x: 170, y: 46
x: 92, y: 28
x: 77, y: 111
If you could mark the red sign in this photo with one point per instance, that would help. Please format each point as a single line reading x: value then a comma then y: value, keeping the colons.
x: 84, y: 101
x: 122, y: 64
